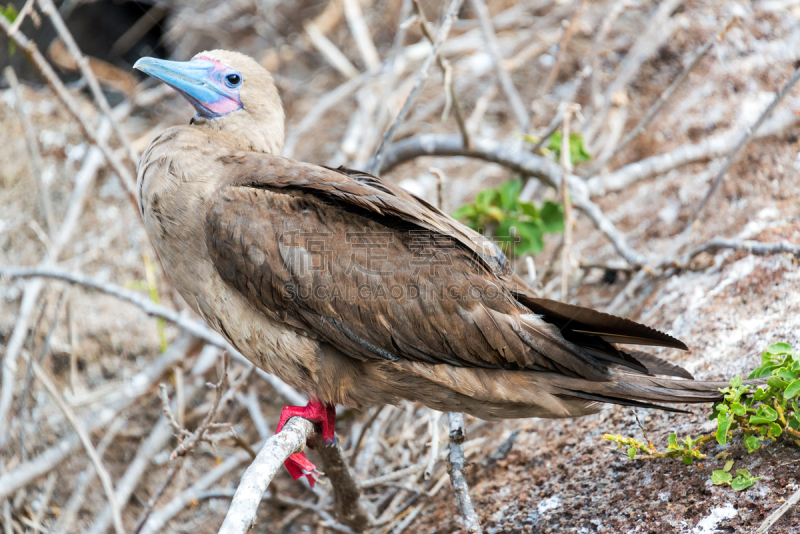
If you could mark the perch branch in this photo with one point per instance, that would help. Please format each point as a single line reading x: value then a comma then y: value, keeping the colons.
x: 257, y: 477
x: 456, y: 468
x: 376, y: 164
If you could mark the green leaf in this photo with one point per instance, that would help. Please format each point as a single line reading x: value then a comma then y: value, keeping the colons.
x: 720, y: 477
x: 632, y: 453
x: 738, y: 409
x: 672, y: 441
x: 531, y: 241
x: 530, y: 209
x: 467, y: 211
x: 784, y: 373
x: 687, y: 460
x: 736, y: 381
x: 723, y: 425
x: 509, y: 194
x: 777, y: 383
x: 752, y: 443
x: 764, y: 415
x: 792, y: 390
x: 743, y: 480
x: 775, y: 430
x: 552, y: 215
x: 728, y: 466
x: 779, y: 348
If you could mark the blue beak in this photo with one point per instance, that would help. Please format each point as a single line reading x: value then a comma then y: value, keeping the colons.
x: 194, y: 80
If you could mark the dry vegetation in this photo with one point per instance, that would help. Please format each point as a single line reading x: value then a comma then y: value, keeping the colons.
x: 345, y: 68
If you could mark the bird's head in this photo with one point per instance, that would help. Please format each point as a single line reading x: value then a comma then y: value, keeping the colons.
x: 231, y: 92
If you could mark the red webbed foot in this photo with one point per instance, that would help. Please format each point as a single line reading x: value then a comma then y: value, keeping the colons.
x: 325, y: 414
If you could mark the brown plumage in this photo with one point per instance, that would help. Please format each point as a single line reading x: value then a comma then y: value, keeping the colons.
x: 355, y: 291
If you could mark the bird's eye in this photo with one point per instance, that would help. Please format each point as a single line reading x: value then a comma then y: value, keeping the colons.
x: 233, y: 79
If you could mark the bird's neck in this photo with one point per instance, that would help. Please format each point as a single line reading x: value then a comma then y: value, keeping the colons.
x: 249, y: 135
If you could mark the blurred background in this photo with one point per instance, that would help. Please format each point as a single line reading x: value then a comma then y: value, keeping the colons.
x: 508, y: 78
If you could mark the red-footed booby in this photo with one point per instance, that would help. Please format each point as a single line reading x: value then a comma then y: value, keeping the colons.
x: 357, y: 292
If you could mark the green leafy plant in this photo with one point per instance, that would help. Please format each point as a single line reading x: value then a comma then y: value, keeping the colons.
x: 499, y: 213
x: 755, y: 414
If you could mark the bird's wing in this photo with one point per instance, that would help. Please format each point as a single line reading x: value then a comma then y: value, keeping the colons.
x: 376, y: 272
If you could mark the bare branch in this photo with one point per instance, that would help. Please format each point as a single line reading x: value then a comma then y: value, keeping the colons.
x: 659, y: 103
x: 777, y: 514
x: 376, y: 164
x: 45, y: 202
x: 255, y: 480
x: 518, y: 160
x: 361, y: 35
x: 457, y: 464
x: 708, y: 148
x: 753, y: 247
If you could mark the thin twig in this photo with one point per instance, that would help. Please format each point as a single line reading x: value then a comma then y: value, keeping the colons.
x: 658, y: 104
x: 291, y: 439
x: 36, y: 57
x: 330, y: 51
x: 51, y: 458
x: 83, y: 181
x: 49, y: 9
x: 102, y: 472
x: 658, y: 29
x: 506, y: 84
x: 45, y: 202
x: 433, y: 423
x: 747, y: 136
x: 566, y: 167
x: 447, y: 70
x: 753, y: 247
x: 376, y: 163
x: 709, y: 148
x: 456, y: 468
x: 777, y: 514
x: 361, y: 35
x: 562, y: 50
